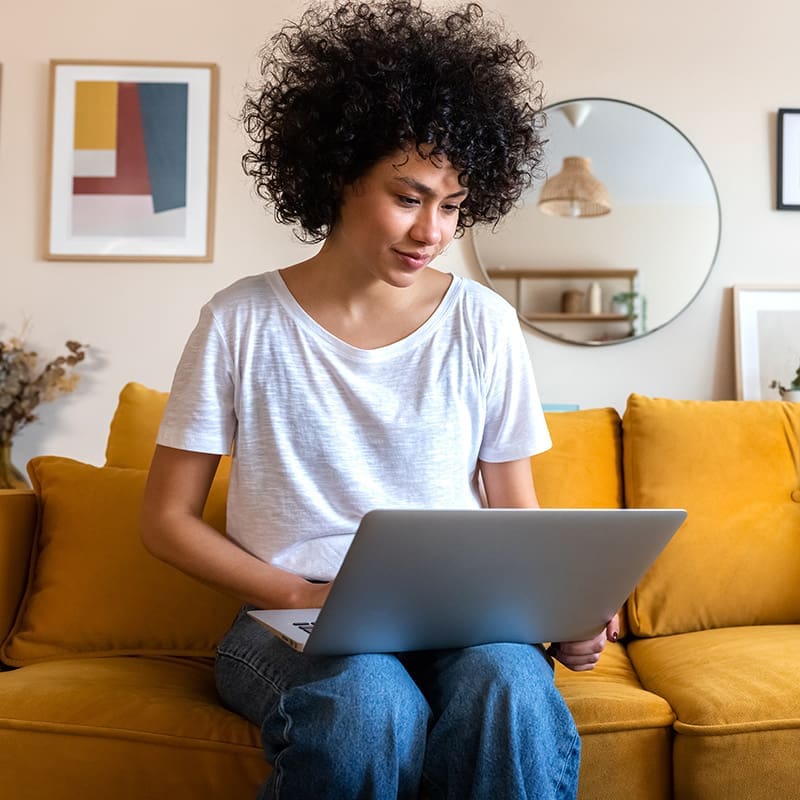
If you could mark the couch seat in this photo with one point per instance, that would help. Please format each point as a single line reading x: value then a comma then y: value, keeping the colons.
x: 151, y: 727
x: 736, y: 696
x: 626, y: 731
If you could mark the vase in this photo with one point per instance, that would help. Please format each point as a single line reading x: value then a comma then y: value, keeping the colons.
x: 10, y: 476
x: 790, y: 395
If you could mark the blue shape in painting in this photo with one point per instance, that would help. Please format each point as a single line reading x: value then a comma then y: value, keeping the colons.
x: 164, y: 109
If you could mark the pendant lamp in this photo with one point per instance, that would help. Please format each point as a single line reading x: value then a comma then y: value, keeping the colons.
x: 575, y: 192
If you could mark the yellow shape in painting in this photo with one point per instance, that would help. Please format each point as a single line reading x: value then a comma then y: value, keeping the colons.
x: 95, y: 115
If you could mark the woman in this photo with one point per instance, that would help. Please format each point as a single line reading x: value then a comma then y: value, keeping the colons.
x: 361, y: 378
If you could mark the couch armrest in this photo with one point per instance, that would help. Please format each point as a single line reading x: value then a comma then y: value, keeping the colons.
x: 17, y: 527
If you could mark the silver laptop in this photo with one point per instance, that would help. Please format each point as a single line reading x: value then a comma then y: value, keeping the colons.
x: 422, y: 580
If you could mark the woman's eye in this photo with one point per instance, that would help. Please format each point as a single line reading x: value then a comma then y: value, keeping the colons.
x: 408, y: 201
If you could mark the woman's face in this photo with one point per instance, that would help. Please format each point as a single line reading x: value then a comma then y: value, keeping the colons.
x: 399, y: 216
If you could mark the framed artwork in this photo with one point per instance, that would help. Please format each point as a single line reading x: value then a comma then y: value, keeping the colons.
x: 789, y: 159
x: 131, y: 161
x: 767, y: 323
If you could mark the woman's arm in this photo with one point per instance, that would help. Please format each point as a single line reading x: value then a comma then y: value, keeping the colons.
x: 509, y: 484
x: 173, y: 530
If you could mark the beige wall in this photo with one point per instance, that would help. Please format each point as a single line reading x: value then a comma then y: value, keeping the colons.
x: 718, y: 71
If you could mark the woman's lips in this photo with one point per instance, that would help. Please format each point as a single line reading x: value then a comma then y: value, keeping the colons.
x: 414, y: 260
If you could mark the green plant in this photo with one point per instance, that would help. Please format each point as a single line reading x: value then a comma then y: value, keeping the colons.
x: 794, y: 386
x: 625, y: 298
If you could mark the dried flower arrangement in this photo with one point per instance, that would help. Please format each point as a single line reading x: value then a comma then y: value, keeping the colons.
x: 23, y: 385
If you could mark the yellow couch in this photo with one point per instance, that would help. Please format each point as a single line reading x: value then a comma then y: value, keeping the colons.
x: 110, y: 692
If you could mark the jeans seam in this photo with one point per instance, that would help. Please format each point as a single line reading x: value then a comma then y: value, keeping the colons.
x: 567, y: 761
x: 277, y: 780
x: 244, y: 662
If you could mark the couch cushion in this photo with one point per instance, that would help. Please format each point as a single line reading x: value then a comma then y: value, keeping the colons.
x: 735, y: 695
x: 132, y: 441
x: 735, y: 467
x: 144, y: 727
x: 134, y: 426
x: 626, y: 731
x: 583, y: 469
x: 93, y: 588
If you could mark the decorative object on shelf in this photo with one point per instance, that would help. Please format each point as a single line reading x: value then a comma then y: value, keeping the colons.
x: 23, y: 385
x: 132, y: 161
x: 767, y: 332
x: 632, y: 306
x: 595, y: 298
x: 790, y: 392
x: 788, y: 172
x: 575, y: 192
x: 572, y: 301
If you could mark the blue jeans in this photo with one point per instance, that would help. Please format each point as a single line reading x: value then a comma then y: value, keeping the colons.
x: 473, y: 724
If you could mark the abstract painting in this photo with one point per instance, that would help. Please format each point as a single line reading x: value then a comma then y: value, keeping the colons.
x: 132, y: 161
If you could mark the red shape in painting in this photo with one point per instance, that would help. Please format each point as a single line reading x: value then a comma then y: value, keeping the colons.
x: 132, y: 175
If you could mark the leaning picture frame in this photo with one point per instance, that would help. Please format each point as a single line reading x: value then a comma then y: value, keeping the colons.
x: 131, y: 161
x: 767, y: 337
x: 788, y: 166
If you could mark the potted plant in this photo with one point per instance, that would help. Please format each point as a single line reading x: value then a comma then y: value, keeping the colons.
x: 24, y: 383
x: 790, y: 392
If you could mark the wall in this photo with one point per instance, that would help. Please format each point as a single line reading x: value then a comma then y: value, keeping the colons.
x: 717, y: 71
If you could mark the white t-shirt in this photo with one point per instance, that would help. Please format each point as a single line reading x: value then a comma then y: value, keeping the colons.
x: 324, y: 431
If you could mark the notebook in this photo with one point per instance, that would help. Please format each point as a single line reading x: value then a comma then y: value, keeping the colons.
x: 422, y: 580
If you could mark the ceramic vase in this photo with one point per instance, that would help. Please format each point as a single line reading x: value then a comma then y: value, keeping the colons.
x: 790, y: 395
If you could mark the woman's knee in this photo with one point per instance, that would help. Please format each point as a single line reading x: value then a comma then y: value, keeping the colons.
x: 504, y: 681
x: 507, y: 664
x: 369, y: 698
x: 365, y: 726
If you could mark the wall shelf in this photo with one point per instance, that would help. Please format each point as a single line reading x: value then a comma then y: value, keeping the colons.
x: 521, y: 275
x: 559, y: 316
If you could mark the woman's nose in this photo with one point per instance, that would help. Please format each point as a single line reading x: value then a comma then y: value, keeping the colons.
x: 427, y: 228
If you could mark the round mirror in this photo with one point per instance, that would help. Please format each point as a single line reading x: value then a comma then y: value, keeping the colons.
x: 621, y: 236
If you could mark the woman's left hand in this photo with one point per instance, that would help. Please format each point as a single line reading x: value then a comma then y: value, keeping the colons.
x: 582, y: 656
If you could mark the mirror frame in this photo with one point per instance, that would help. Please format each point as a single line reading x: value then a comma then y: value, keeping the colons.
x: 552, y: 107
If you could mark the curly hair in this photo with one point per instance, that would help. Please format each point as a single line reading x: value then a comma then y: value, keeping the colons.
x: 351, y: 83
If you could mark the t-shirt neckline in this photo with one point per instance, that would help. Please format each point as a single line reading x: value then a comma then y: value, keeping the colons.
x: 305, y: 320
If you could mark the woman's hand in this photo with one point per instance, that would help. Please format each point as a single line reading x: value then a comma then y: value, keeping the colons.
x: 582, y: 656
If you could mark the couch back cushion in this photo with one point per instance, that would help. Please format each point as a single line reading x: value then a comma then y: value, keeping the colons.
x: 583, y: 469
x: 93, y: 590
x: 132, y: 442
x: 735, y: 467
x: 134, y: 426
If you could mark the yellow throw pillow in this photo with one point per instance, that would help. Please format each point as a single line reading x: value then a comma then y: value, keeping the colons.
x: 93, y: 590
x: 735, y: 467
x: 583, y: 469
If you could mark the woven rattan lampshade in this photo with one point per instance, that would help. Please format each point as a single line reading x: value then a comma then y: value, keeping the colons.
x: 575, y: 192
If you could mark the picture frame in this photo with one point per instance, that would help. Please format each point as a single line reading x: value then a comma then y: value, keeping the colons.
x: 788, y: 172
x: 767, y: 337
x: 131, y: 161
